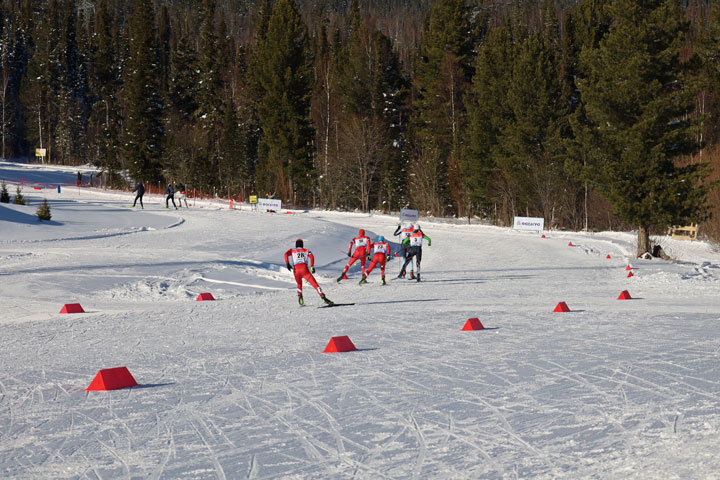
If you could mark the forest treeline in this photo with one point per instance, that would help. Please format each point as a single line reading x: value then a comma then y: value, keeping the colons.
x: 592, y: 114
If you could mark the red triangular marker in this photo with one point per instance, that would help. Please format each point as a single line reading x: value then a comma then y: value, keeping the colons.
x: 570, y: 244
x: 561, y: 307
x: 608, y: 256
x: 205, y: 296
x: 628, y: 267
x: 473, y: 324
x: 340, y: 344
x: 72, y: 308
x: 630, y: 274
x: 112, y: 379
x: 543, y: 236
x: 624, y: 295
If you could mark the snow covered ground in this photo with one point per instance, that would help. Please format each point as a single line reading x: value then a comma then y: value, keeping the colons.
x: 240, y: 388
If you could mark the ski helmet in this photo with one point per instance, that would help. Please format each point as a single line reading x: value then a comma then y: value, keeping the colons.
x: 416, y: 226
x: 299, y: 243
x: 362, y: 232
x: 381, y: 238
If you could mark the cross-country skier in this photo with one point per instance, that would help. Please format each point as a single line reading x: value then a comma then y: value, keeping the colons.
x: 170, y: 191
x: 140, y: 189
x: 303, y: 266
x: 404, y: 233
x: 362, y: 248
x: 414, y: 242
x: 380, y: 254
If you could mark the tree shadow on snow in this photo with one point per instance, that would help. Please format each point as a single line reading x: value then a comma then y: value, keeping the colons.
x: 408, y: 301
x: 152, y: 385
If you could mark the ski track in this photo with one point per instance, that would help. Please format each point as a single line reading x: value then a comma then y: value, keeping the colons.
x: 238, y: 387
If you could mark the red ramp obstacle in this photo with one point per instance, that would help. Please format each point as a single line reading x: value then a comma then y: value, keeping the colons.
x: 561, y: 308
x: 473, y: 324
x: 624, y: 295
x: 204, y: 297
x: 340, y: 344
x: 112, y: 379
x: 72, y: 308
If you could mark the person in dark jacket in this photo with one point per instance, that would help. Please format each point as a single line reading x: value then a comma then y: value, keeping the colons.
x: 170, y: 191
x: 140, y: 189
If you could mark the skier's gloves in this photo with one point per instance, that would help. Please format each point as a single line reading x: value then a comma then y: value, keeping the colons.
x: 369, y: 257
x: 387, y: 258
x: 429, y: 243
x: 288, y: 267
x: 312, y: 269
x: 348, y: 254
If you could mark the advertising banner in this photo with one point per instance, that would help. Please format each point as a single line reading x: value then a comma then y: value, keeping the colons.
x: 529, y: 223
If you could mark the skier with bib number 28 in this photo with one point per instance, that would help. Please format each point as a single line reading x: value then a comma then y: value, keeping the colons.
x: 303, y: 266
x: 362, y: 248
x: 414, y: 242
x: 380, y: 254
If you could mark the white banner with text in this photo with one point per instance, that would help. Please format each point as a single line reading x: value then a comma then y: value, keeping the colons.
x: 529, y: 223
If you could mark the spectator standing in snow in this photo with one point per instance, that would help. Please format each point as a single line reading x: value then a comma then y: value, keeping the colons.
x: 414, y: 242
x: 170, y: 191
x: 361, y: 243
x: 182, y: 195
x: 140, y: 189
x: 380, y: 254
x: 301, y: 262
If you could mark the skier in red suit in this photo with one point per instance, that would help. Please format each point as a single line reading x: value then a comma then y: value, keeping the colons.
x: 362, y: 248
x: 301, y: 262
x: 380, y: 254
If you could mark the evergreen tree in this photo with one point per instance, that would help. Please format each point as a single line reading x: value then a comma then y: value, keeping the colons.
x: 43, y: 211
x: 4, y: 195
x: 72, y: 109
x: 530, y: 147
x: 234, y: 177
x: 639, y: 97
x: 208, y: 116
x: 143, y: 135
x: 42, y: 83
x: 19, y: 199
x: 489, y: 114
x: 105, y: 80
x: 442, y: 78
x: 284, y: 76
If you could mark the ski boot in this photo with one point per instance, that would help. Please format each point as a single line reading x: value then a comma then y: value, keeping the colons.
x: 382, y: 281
x: 418, y: 277
x: 326, y: 300
x: 412, y: 276
x: 402, y: 274
x: 364, y: 280
x: 341, y: 277
x: 300, y: 300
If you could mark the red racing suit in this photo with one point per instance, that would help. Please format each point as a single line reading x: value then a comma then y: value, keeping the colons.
x: 380, y: 252
x: 302, y: 260
x: 362, y: 248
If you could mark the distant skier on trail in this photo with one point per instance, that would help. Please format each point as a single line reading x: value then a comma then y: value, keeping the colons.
x: 170, y: 191
x: 414, y: 242
x: 301, y: 262
x: 404, y: 233
x: 140, y: 189
x: 361, y: 243
x: 380, y: 254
